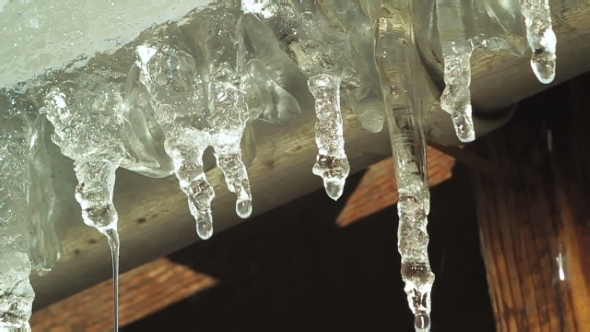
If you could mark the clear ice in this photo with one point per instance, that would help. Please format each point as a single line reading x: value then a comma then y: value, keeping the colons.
x: 399, y: 62
x: 199, y: 61
x: 331, y: 163
x: 156, y: 105
x: 465, y: 27
x: 456, y: 49
x: 46, y: 249
x: 88, y: 125
x: 541, y: 38
x: 17, y: 295
x: 296, y: 24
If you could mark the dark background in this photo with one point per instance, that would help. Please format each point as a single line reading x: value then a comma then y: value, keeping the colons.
x: 294, y: 269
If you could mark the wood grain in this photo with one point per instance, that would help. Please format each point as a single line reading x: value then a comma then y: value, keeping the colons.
x: 378, y: 189
x: 535, y: 228
x: 143, y: 291
x: 153, y: 213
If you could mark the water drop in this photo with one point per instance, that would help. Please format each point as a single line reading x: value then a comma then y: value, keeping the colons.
x: 204, y: 229
x: 114, y: 244
x: 334, y: 187
x: 541, y: 38
x: 244, y: 208
x: 422, y: 321
x: 463, y: 122
x: 332, y: 164
x: 543, y: 66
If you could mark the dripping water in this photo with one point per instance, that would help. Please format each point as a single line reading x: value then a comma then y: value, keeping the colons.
x: 422, y: 322
x: 331, y: 164
x: 541, y: 38
x: 114, y: 244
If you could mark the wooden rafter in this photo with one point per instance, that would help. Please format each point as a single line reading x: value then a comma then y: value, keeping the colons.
x: 143, y: 291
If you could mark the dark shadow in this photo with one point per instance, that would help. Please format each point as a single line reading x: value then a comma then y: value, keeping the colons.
x: 293, y: 269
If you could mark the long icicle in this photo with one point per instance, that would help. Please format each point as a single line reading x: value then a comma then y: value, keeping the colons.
x: 396, y: 57
x: 95, y: 170
x: 332, y: 164
x: 541, y: 38
x: 94, y: 193
x: 456, y: 49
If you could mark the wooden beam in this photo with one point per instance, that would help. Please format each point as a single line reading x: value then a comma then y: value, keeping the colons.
x: 378, y: 189
x: 144, y: 291
x: 535, y: 230
x: 153, y: 213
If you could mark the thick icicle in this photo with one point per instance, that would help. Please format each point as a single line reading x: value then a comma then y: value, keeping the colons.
x: 215, y: 44
x: 331, y: 163
x: 87, y: 130
x: 169, y: 74
x: 398, y: 60
x: 94, y: 193
x: 200, y: 61
x: 456, y: 49
x: 541, y: 38
x: 16, y: 293
x: 367, y: 101
x: 326, y: 59
x: 46, y: 249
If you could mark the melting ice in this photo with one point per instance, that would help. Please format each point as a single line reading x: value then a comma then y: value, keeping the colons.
x: 541, y: 38
x: 399, y: 65
x: 489, y: 26
x: 200, y: 82
x: 214, y: 114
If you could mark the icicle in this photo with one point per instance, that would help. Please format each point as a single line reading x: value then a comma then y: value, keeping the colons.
x: 87, y: 131
x: 214, y: 114
x: 94, y: 193
x: 456, y: 49
x: 456, y: 97
x: 541, y: 38
x: 16, y: 240
x: 46, y: 249
x: 186, y: 148
x: 229, y: 114
x: 331, y: 163
x: 367, y: 101
x: 170, y: 76
x: 397, y: 59
x: 327, y: 60
x: 229, y: 160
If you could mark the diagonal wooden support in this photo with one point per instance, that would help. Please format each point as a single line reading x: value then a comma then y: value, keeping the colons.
x: 144, y: 291
x: 534, y: 227
x: 378, y: 189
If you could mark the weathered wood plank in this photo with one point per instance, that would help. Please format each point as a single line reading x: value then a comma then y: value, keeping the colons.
x: 378, y: 189
x: 144, y: 290
x: 154, y: 217
x: 535, y: 228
